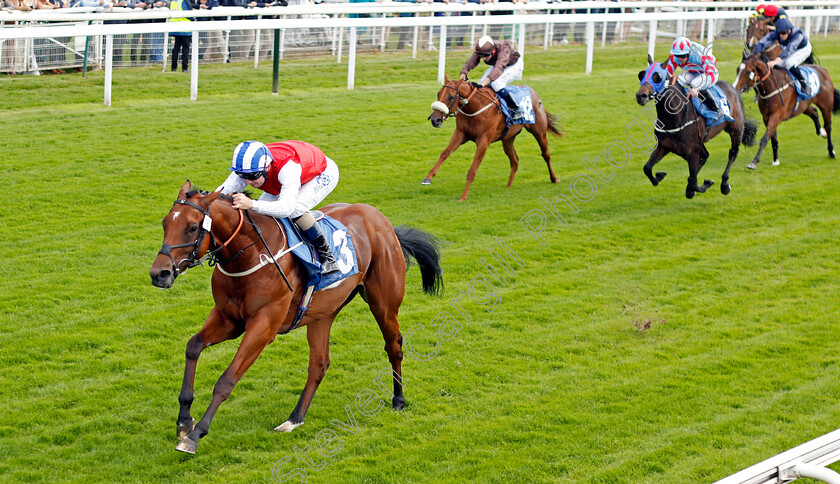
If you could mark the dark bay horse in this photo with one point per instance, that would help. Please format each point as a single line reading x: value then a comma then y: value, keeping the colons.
x: 681, y: 130
x: 480, y: 120
x: 260, y: 304
x: 777, y: 101
x: 758, y: 28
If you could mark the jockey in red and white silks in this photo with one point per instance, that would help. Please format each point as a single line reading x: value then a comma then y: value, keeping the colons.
x: 699, y: 67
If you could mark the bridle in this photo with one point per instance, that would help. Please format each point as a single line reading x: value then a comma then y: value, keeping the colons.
x: 756, y: 83
x: 450, y: 109
x: 193, y: 260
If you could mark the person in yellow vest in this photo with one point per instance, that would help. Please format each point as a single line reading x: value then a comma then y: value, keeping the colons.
x: 182, y: 39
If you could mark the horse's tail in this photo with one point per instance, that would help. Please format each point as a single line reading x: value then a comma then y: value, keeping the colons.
x: 425, y: 249
x: 750, y: 129
x: 552, y: 125
x: 836, y: 108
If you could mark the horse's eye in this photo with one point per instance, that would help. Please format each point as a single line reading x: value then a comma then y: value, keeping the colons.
x: 657, y: 78
x: 193, y: 228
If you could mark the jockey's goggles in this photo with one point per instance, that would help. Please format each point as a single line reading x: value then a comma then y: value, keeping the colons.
x: 484, y: 54
x: 250, y: 176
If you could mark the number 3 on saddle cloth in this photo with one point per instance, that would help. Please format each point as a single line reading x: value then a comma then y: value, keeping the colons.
x: 342, y: 249
x: 340, y: 243
x: 522, y: 97
x: 724, y: 113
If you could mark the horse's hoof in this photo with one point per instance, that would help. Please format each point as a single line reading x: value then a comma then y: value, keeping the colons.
x: 426, y: 181
x: 752, y: 165
x: 775, y: 162
x: 707, y: 183
x: 725, y: 188
x: 287, y: 426
x: 832, y: 155
x: 823, y: 133
x: 398, y: 403
x: 660, y: 175
x: 689, y: 194
x: 187, y: 445
x: 184, y: 430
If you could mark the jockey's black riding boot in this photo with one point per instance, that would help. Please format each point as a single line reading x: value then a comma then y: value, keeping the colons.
x: 709, y: 101
x: 316, y: 236
x: 803, y: 84
x: 505, y: 94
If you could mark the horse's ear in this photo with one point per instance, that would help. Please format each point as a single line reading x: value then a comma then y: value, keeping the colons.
x: 187, y: 186
x: 446, y: 78
x: 650, y: 60
x: 641, y: 75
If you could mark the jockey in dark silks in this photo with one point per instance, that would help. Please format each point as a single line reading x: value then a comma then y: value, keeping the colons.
x: 506, y: 66
x: 795, y: 49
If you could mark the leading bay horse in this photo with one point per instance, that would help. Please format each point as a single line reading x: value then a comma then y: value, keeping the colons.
x: 681, y: 130
x: 480, y: 120
x: 259, y: 303
x: 777, y: 100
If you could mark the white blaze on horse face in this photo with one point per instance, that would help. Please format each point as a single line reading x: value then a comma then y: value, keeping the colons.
x: 175, y: 215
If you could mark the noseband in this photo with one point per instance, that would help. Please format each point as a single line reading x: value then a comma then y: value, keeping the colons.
x: 449, y: 110
x: 206, y: 225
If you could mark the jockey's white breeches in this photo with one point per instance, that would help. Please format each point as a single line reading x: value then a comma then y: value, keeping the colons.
x: 697, y: 80
x: 315, y: 190
x: 798, y: 57
x: 510, y: 74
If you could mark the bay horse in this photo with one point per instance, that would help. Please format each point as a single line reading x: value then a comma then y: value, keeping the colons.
x: 758, y: 28
x: 681, y: 130
x: 260, y: 304
x: 481, y: 121
x: 777, y: 100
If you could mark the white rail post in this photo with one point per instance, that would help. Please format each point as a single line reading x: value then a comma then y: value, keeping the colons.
x: 652, y: 37
x: 521, y: 42
x: 351, y: 60
x: 194, y: 66
x: 590, y: 45
x: 257, y: 45
x: 442, y: 54
x: 340, y: 43
x: 109, y: 66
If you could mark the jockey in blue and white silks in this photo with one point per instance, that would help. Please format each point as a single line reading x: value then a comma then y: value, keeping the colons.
x: 795, y: 49
x: 699, y: 68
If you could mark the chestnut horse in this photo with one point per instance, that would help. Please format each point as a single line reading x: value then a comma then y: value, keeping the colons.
x: 254, y: 298
x: 777, y: 101
x: 482, y: 122
x: 681, y: 130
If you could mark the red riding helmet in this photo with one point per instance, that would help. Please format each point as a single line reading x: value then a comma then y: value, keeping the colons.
x: 770, y: 10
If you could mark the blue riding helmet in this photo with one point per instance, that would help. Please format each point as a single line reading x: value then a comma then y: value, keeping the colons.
x: 251, y: 157
x: 783, y: 25
x: 656, y: 76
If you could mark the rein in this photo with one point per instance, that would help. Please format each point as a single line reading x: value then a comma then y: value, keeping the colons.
x: 450, y: 108
x: 273, y: 259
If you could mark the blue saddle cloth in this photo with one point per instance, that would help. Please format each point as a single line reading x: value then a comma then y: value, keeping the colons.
x: 342, y: 249
x: 522, y: 97
x: 813, y: 80
x: 724, y: 113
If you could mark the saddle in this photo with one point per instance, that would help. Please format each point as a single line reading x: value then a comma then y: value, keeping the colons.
x: 811, y: 77
x: 724, y: 113
x: 340, y: 243
x: 522, y: 97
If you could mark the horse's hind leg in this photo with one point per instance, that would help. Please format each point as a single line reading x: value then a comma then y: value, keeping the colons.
x: 457, y: 140
x: 826, y: 113
x: 774, y: 141
x: 811, y: 112
x: 542, y: 140
x: 385, y: 289
x: 215, y: 330
x: 513, y: 157
x: 259, y: 335
x: 318, y: 337
x: 735, y: 135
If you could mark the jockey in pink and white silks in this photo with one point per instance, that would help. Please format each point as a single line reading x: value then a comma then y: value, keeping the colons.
x: 699, y: 67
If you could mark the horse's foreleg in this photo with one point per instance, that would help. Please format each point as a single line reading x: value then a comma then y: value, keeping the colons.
x: 458, y: 138
x: 658, y: 153
x: 480, y: 150
x: 774, y: 142
x: 256, y: 338
x: 215, y: 330
x: 507, y: 144
x: 772, y: 123
x: 542, y: 140
x: 318, y: 336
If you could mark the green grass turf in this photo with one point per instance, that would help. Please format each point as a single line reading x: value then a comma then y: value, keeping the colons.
x: 549, y: 381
